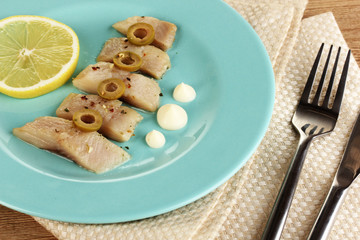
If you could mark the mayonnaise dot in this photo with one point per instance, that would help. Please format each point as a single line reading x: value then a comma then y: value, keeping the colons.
x: 155, y: 139
x: 171, y: 117
x: 184, y: 93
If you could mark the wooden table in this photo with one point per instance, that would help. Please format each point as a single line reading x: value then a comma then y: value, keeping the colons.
x: 18, y: 226
x: 347, y: 15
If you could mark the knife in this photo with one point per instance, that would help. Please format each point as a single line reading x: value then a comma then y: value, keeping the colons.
x: 347, y: 172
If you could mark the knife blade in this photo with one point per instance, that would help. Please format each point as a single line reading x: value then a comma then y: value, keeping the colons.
x: 348, y: 170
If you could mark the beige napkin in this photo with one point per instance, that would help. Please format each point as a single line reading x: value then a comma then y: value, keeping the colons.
x: 239, y: 208
x: 262, y: 178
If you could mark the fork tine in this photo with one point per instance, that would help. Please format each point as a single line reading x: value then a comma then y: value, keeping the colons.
x: 322, y: 79
x: 341, y: 86
x: 331, y: 81
x: 306, y: 93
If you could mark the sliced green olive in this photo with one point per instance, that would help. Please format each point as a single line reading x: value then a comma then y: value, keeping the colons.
x: 128, y: 61
x: 87, y: 120
x: 141, y: 34
x: 111, y: 89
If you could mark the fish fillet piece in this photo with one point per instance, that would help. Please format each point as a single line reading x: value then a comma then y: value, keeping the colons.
x: 141, y: 91
x: 119, y: 122
x: 164, y: 31
x: 90, y: 150
x: 155, y: 62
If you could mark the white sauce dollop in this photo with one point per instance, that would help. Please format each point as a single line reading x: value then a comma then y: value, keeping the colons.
x: 171, y: 117
x: 184, y: 93
x: 155, y: 139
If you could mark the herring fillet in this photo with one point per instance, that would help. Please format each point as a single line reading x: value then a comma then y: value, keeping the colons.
x: 155, y: 62
x: 164, y: 31
x: 119, y: 122
x: 90, y: 150
x: 141, y: 91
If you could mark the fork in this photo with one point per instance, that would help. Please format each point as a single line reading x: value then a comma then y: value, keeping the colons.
x: 311, y: 119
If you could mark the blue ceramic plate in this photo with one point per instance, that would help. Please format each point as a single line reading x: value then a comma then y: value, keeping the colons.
x: 215, y: 51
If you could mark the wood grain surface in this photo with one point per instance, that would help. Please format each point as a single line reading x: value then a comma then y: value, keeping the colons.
x: 347, y: 15
x: 19, y: 226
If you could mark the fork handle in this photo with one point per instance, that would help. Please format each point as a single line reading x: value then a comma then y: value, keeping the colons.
x: 283, y: 201
x: 326, y: 217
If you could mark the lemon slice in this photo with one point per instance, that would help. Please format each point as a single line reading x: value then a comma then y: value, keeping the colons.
x: 37, y: 55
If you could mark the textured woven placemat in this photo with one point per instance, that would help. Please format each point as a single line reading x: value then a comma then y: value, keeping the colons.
x: 239, y: 209
x: 262, y: 180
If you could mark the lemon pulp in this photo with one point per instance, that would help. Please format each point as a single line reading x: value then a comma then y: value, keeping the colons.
x: 37, y: 55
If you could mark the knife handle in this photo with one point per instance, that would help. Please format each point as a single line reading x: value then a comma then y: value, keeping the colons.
x: 326, y: 217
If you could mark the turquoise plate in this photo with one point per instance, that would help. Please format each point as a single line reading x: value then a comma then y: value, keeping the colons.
x: 215, y: 51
